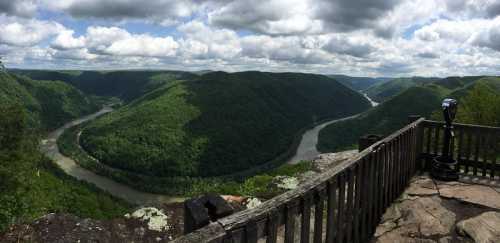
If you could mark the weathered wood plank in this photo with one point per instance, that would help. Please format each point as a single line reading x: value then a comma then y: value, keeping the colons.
x: 240, y: 218
x: 350, y: 205
x: 429, y: 123
x: 357, y: 203
x: 460, y: 148
x: 435, y: 147
x: 318, y: 216
x: 364, y: 196
x: 251, y: 232
x: 291, y: 213
x: 496, y: 153
x: 272, y: 229
x: 341, y: 207
x: 306, y: 218
x: 484, y: 152
x: 476, y: 151
x: 331, y: 224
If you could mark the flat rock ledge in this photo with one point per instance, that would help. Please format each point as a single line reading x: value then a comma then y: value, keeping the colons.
x: 326, y: 161
x: 484, y: 228
x: 441, y: 212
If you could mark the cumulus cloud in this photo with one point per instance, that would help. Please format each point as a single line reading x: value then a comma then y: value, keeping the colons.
x: 490, y: 37
x: 474, y: 8
x: 348, y: 15
x: 65, y: 40
x: 160, y: 11
x: 349, y: 46
x: 275, y: 17
x: 20, y: 8
x: 357, y: 37
x: 203, y: 42
x: 27, y: 32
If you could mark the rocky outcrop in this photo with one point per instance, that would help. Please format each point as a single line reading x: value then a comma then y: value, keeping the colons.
x: 150, y: 224
x: 470, y: 193
x: 484, y: 228
x: 434, y: 211
x: 326, y: 161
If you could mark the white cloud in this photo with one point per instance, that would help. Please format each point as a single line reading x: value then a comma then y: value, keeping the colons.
x: 20, y: 8
x: 143, y: 45
x: 357, y: 37
x: 20, y: 32
x: 65, y: 40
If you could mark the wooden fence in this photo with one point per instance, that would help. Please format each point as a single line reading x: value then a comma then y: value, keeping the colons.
x: 344, y: 204
x: 475, y: 147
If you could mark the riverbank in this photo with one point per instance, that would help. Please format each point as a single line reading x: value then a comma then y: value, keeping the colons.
x: 50, y: 148
x: 307, y: 148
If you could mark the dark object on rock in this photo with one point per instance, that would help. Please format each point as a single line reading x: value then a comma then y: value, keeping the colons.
x: 444, y: 167
x: 198, y: 212
x: 367, y: 140
x: 413, y: 118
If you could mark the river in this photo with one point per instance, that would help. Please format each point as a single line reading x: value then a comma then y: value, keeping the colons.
x: 68, y: 165
x: 307, y: 148
x: 305, y: 151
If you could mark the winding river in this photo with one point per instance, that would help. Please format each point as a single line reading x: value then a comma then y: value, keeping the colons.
x: 305, y: 151
x: 68, y: 165
x: 307, y: 148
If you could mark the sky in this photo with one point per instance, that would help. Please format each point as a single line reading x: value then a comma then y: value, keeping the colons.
x: 352, y: 37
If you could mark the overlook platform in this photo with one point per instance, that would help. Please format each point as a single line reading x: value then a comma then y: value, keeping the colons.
x: 379, y: 195
x: 434, y: 211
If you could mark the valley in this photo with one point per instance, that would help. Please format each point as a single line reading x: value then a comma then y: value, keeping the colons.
x: 69, y: 166
x: 307, y: 149
x: 224, y: 133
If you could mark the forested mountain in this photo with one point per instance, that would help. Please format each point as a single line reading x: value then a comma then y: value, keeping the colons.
x: 385, y: 90
x: 218, y: 124
x: 30, y: 185
x: 358, y: 83
x: 126, y: 85
x: 48, y: 104
x: 419, y: 100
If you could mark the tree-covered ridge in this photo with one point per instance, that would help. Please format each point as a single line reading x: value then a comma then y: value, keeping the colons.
x: 383, y: 91
x: 219, y: 124
x: 418, y: 100
x: 48, y: 104
x: 30, y: 184
x: 358, y: 83
x: 126, y: 85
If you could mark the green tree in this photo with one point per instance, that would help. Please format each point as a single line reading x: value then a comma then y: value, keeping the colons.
x: 481, y: 106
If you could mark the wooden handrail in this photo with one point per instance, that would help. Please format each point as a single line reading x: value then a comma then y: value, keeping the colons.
x: 354, y: 193
x: 475, y: 147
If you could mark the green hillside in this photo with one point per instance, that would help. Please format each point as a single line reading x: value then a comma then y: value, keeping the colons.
x: 384, y: 91
x: 30, y: 184
x: 219, y: 124
x: 49, y: 104
x: 357, y: 83
x: 392, y: 114
x: 126, y: 85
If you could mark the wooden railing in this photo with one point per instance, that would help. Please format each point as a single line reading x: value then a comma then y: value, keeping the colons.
x: 476, y: 148
x: 343, y: 204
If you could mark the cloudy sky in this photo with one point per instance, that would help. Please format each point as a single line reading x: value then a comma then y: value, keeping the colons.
x: 353, y: 37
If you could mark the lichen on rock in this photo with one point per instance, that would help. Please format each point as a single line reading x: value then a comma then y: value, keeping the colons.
x: 156, y: 219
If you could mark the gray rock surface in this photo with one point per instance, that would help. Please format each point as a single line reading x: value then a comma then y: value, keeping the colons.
x: 484, y: 228
x: 470, y: 193
x: 428, y: 211
x: 330, y: 160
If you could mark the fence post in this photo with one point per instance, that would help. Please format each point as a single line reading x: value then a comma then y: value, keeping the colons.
x: 419, y: 142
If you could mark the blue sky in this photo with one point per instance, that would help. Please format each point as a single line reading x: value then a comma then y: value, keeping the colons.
x: 353, y: 37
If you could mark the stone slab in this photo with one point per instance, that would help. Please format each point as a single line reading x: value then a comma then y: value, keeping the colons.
x: 484, y: 228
